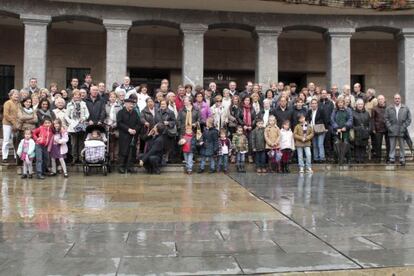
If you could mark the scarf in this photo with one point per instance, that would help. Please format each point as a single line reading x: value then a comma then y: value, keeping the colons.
x: 28, y: 110
x: 247, y: 115
x: 45, y: 114
x: 76, y: 111
x: 173, y: 108
x: 189, y: 117
x: 112, y: 112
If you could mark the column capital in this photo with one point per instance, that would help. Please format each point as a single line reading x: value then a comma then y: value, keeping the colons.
x: 340, y: 32
x: 35, y: 19
x: 268, y: 30
x: 405, y: 33
x: 116, y: 24
x: 193, y: 28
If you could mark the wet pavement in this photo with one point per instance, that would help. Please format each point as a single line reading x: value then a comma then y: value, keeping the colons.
x: 175, y: 224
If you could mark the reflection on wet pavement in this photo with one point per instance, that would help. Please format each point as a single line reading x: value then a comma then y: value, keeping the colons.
x: 179, y: 225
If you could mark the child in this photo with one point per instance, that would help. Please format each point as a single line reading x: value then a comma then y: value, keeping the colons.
x: 42, y: 136
x: 209, y: 146
x: 188, y: 143
x: 272, y: 137
x: 303, y: 136
x: 224, y: 151
x: 26, y: 152
x: 287, y: 145
x: 58, y: 147
x: 96, y: 135
x: 241, y: 147
x: 258, y: 146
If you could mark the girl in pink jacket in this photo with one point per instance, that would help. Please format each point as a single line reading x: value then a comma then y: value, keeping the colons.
x: 58, y: 147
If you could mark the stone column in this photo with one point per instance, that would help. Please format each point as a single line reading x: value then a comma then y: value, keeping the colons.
x: 267, y: 55
x: 35, y: 48
x: 339, y: 56
x: 406, y: 69
x: 193, y: 53
x: 116, y: 50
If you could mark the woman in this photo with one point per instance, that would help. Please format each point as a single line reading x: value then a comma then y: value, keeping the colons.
x: 10, y: 110
x: 147, y: 121
x: 142, y: 96
x: 226, y: 99
x: 77, y: 115
x: 43, y: 111
x: 167, y: 118
x: 220, y: 113
x: 189, y: 116
x: 171, y: 98
x: 203, y: 108
x: 26, y: 117
x: 44, y: 94
x: 112, y: 108
x: 269, y: 97
x: 35, y: 101
x: 341, y: 122
x: 361, y: 129
x: 256, y: 105
x: 248, y: 123
x: 60, y: 112
x: 235, y: 116
x: 316, y: 118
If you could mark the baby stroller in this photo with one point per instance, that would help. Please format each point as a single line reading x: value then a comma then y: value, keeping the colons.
x: 95, y: 154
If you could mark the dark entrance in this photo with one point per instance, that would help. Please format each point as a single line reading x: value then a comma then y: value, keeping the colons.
x: 289, y: 77
x: 6, y: 81
x: 152, y: 77
x: 222, y: 78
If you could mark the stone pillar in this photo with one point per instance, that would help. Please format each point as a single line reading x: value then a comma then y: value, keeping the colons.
x: 35, y: 48
x: 267, y: 55
x: 406, y: 69
x: 116, y: 50
x: 339, y: 56
x: 193, y: 53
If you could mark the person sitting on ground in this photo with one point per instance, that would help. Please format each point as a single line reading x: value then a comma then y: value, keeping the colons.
x: 151, y: 160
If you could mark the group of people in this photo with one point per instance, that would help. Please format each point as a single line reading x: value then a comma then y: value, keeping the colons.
x: 270, y: 127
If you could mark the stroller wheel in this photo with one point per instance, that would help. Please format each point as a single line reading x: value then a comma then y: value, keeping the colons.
x: 104, y: 170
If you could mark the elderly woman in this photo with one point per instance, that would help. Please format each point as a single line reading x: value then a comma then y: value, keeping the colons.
x: 166, y: 117
x: 142, y: 96
x: 10, y: 110
x: 60, y: 111
x: 371, y: 100
x: 362, y: 128
x: 112, y: 108
x: 341, y: 121
x: 188, y: 117
x: 35, y: 101
x: 171, y: 101
x: 220, y: 114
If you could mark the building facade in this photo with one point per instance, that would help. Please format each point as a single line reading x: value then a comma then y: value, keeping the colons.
x: 199, y: 42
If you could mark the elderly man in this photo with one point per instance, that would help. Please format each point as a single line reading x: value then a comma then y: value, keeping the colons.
x: 358, y: 94
x: 32, y: 88
x: 127, y: 87
x: 96, y: 107
x: 397, y: 120
x: 232, y: 88
x: 379, y: 128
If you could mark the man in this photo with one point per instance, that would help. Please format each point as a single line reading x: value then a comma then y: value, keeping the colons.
x: 397, y: 120
x: 103, y: 93
x: 358, y: 94
x: 317, y: 117
x: 87, y: 83
x: 32, y: 88
x: 213, y: 87
x: 293, y: 94
x: 74, y: 84
x: 379, y: 128
x: 152, y: 159
x: 179, y: 100
x: 327, y: 106
x: 346, y: 92
x: 232, y: 88
x: 247, y: 91
x: 283, y: 112
x: 127, y: 87
x: 311, y: 89
x: 277, y: 90
x: 334, y: 92
x: 96, y: 107
x: 128, y: 124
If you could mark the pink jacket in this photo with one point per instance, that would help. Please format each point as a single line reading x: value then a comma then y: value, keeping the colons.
x: 61, y: 139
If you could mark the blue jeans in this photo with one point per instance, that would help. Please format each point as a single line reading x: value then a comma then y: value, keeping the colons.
x: 260, y: 158
x: 42, y: 159
x: 307, y: 152
x: 318, y: 147
x: 223, y: 161
x: 240, y: 157
x: 212, y: 162
x: 188, y: 157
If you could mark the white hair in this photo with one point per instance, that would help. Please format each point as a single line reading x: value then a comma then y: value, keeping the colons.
x: 359, y: 101
x: 372, y: 91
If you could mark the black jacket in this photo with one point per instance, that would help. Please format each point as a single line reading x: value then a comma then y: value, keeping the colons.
x: 319, y: 118
x: 362, y: 127
x: 96, y: 110
x: 156, y: 148
x: 327, y: 106
x: 124, y: 121
x: 166, y: 115
x: 283, y: 115
x: 295, y: 116
x: 195, y: 118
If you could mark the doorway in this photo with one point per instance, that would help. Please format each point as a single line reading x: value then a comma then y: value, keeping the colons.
x: 152, y: 77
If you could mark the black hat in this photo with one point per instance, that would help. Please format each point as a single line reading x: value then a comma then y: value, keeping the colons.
x: 129, y: 100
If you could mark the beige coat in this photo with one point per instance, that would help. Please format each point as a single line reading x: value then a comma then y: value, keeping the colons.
x: 272, y: 137
x: 26, y: 120
x: 298, y: 134
x: 10, y: 110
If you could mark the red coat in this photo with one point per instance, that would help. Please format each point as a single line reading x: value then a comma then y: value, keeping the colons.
x: 179, y: 103
x: 43, y: 135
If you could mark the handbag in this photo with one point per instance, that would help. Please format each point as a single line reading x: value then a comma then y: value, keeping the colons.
x: 232, y: 122
x: 80, y: 127
x: 319, y: 128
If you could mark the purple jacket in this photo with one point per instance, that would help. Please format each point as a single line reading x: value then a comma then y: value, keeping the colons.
x: 205, y: 111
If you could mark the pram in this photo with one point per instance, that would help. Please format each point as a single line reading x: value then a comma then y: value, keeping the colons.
x: 95, y: 154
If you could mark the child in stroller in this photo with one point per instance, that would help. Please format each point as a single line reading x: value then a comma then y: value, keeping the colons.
x: 95, y: 152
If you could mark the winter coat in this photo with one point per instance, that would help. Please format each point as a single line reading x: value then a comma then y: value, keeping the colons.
x: 337, y: 114
x: 286, y: 139
x: 26, y: 120
x: 111, y: 112
x: 62, y: 139
x: 221, y: 116
x: 327, y: 106
x: 240, y: 143
x: 361, y: 124
x: 397, y: 126
x: 204, y: 109
x: 258, y: 139
x: 221, y: 143
x: 378, y: 119
x: 283, y: 115
x: 72, y: 117
x: 195, y: 118
x: 190, y: 143
x: 31, y: 152
x: 210, y: 145
x: 43, y: 136
x: 236, y: 115
x: 272, y: 137
x: 96, y: 110
x: 10, y: 110
x: 298, y: 135
x: 166, y: 115
x: 61, y: 115
x: 319, y: 117
x: 147, y: 117
x: 296, y: 113
x: 156, y: 147
x: 125, y: 120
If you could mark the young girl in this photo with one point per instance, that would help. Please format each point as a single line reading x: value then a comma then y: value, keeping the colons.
x: 272, y: 137
x: 241, y: 147
x: 287, y: 145
x: 58, y: 147
x: 42, y: 136
x: 26, y: 152
x: 188, y: 143
x: 209, y: 146
x: 303, y: 136
x: 224, y: 151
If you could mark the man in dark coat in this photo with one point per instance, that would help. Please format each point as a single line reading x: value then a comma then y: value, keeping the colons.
x: 96, y: 107
x: 129, y: 126
x: 327, y: 105
x: 152, y: 159
x: 379, y: 128
x: 283, y: 112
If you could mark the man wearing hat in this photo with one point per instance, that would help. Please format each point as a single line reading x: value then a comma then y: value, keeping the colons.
x: 129, y: 125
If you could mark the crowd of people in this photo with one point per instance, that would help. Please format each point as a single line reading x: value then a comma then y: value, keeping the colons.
x: 272, y: 127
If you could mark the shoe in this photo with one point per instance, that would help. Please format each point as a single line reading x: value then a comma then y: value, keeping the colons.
x: 301, y: 170
x: 132, y: 171
x: 5, y: 161
x: 390, y: 162
x: 52, y: 174
x: 258, y: 170
x: 157, y: 171
x: 242, y: 169
x: 65, y: 175
x: 402, y: 163
x: 287, y: 168
x: 121, y: 170
x: 309, y: 170
x: 30, y: 176
x: 264, y: 171
x: 24, y: 176
x: 212, y: 171
x: 39, y: 176
x: 200, y: 171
